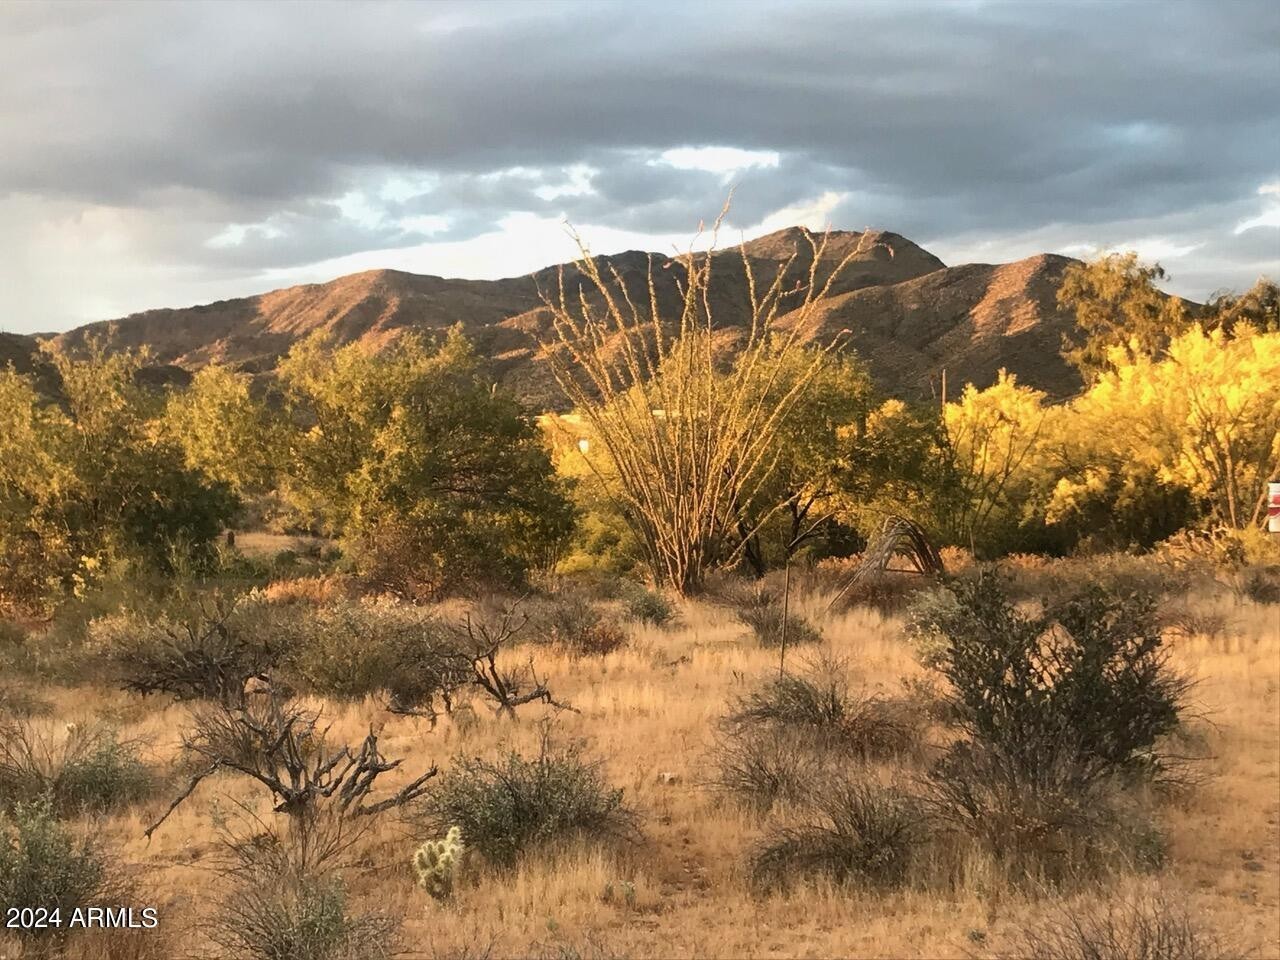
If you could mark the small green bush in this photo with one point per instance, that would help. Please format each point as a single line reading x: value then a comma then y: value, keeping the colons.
x: 86, y: 768
x: 281, y: 894
x: 861, y: 833
x: 926, y: 622
x: 352, y: 649
x: 1091, y: 671
x: 43, y: 864
x: 651, y: 607
x: 1060, y: 715
x: 505, y: 806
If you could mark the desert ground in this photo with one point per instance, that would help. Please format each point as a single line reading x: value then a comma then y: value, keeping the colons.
x: 649, y: 711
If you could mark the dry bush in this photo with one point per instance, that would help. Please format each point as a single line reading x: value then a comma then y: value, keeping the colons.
x: 508, y: 805
x: 763, y: 768
x: 15, y: 701
x: 284, y: 898
x: 817, y: 704
x: 1261, y: 584
x: 763, y: 613
x: 1046, y: 580
x: 317, y: 591
x: 1186, y: 622
x: 124, y: 943
x: 281, y: 745
x: 887, y: 592
x: 861, y: 833
x: 207, y: 653
x: 1053, y: 822
x: 1136, y: 928
x: 80, y: 767
x: 572, y: 621
x: 482, y: 635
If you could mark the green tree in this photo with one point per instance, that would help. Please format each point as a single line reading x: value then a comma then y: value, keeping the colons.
x: 793, y: 506
x: 1116, y: 304
x: 89, y: 479
x: 431, y: 477
x: 895, y: 460
x: 223, y: 430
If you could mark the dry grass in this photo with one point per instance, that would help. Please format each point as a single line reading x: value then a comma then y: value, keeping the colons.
x: 649, y: 711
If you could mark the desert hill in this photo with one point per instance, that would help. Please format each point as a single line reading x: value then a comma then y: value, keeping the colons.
x: 906, y: 312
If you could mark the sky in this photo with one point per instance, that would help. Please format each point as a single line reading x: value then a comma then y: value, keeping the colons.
x: 171, y: 154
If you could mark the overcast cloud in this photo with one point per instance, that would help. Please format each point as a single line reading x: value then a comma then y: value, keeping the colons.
x: 167, y: 154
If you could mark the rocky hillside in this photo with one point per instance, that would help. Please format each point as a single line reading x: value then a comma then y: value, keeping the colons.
x: 906, y: 312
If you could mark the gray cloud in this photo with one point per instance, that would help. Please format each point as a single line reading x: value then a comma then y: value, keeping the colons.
x: 964, y: 124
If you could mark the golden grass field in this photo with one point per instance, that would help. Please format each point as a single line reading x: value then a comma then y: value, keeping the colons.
x: 649, y: 710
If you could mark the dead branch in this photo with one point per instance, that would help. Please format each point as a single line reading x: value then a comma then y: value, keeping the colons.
x: 280, y: 746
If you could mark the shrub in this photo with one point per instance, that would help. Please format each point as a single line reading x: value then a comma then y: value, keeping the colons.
x: 1140, y: 928
x: 43, y: 864
x: 505, y: 806
x: 1262, y: 584
x: 760, y: 769
x: 17, y: 702
x: 86, y: 768
x: 762, y: 612
x: 862, y: 833
x: 1045, y: 823
x: 273, y: 914
x: 352, y: 649
x: 208, y: 652
x: 1192, y: 623
x: 885, y: 592
x: 578, y: 626
x: 1060, y: 713
x: 926, y: 619
x: 1091, y: 672
x: 818, y: 704
x: 651, y: 607
x: 284, y: 899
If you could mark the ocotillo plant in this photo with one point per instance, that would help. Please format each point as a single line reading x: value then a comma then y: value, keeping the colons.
x: 687, y: 440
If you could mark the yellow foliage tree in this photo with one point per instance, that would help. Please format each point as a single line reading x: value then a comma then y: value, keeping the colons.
x: 1207, y: 415
x: 223, y: 430
x: 994, y: 438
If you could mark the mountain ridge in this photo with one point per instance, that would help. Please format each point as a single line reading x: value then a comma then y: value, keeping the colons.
x: 908, y: 313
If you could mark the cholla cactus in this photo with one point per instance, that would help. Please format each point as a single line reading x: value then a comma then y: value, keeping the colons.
x: 437, y: 861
